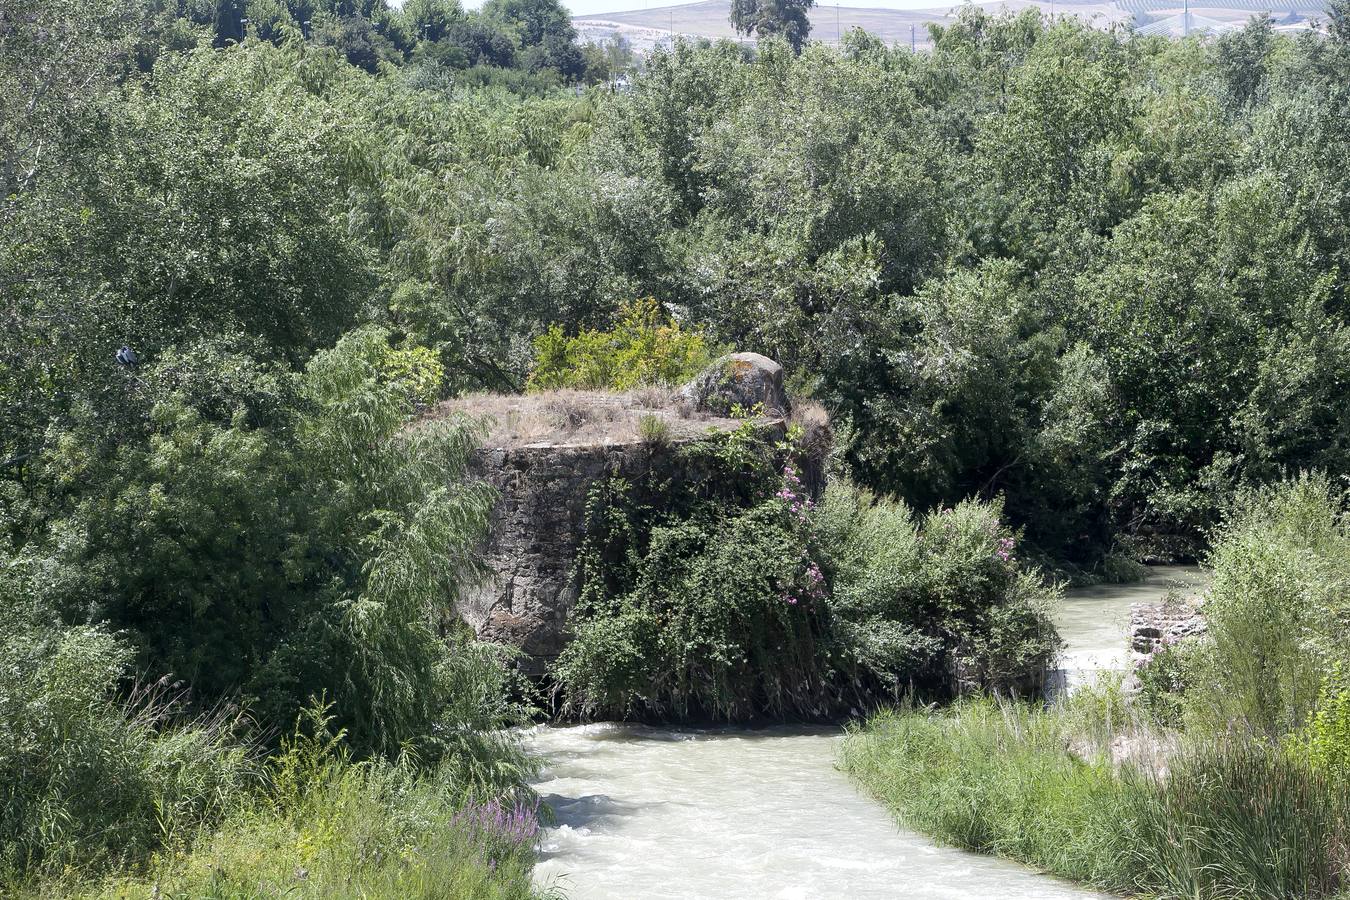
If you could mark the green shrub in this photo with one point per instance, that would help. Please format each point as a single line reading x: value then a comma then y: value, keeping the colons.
x: 1324, y: 742
x: 943, y: 593
x: 1276, y: 610
x: 91, y: 782
x: 329, y: 826
x: 723, y: 620
x: 1163, y: 679
x: 645, y: 347
x: 274, y: 537
x: 746, y: 603
x: 653, y: 430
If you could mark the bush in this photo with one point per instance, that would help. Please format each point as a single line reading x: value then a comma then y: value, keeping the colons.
x: 328, y: 826
x: 723, y: 620
x: 745, y: 604
x: 1324, y: 742
x: 1162, y: 682
x: 645, y: 347
x: 274, y: 537
x: 944, y: 594
x: 1275, y: 608
x: 90, y: 782
x: 653, y: 430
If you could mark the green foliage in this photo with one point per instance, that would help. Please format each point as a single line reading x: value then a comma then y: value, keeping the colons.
x: 653, y: 430
x: 644, y: 347
x: 1324, y: 742
x: 91, y: 781
x: 712, y: 627
x: 945, y: 593
x: 701, y: 596
x: 308, y: 543
x: 1229, y: 819
x: 773, y: 18
x: 731, y: 606
x: 1163, y: 682
x: 325, y: 825
x: 1275, y: 610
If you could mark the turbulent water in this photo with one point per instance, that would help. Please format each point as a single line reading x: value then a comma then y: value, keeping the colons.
x: 728, y: 814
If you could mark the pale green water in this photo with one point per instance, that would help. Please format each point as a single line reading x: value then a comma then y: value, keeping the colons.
x: 1093, y: 621
x: 735, y: 814
x: 740, y: 815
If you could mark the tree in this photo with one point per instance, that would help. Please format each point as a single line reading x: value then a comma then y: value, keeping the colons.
x: 431, y: 20
x: 534, y: 20
x: 1338, y: 13
x: 767, y: 18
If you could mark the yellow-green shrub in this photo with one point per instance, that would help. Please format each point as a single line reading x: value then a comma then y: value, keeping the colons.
x: 645, y: 347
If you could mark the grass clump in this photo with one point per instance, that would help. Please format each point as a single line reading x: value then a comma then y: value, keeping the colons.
x: 1226, y: 819
x: 115, y: 791
x: 1278, y: 611
x: 996, y: 778
x: 330, y: 826
x: 92, y: 781
x: 653, y: 430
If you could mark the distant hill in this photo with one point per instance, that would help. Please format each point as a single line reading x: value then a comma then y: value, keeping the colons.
x: 647, y: 28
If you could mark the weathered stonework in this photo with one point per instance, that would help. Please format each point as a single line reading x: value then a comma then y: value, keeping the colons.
x: 537, y: 526
x: 1157, y: 625
x: 536, y: 530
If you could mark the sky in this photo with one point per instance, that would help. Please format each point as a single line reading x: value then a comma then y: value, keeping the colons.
x: 593, y: 7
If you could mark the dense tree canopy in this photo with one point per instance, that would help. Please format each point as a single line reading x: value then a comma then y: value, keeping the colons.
x: 1099, y: 275
x: 770, y: 18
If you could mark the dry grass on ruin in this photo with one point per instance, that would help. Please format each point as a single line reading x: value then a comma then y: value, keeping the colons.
x: 585, y: 418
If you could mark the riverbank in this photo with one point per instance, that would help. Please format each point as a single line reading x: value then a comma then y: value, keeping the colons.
x: 1221, y: 820
x: 1226, y: 775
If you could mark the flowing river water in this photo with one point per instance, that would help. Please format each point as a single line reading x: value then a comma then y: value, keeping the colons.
x: 726, y: 814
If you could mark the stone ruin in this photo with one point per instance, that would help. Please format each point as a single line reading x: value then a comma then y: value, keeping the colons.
x: 1154, y: 626
x: 544, y: 481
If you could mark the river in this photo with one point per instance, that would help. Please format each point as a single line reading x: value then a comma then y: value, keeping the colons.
x: 726, y: 814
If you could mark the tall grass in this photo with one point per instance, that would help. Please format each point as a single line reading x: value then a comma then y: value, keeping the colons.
x: 1238, y: 818
x: 92, y: 781
x: 1231, y: 819
x: 329, y: 826
x: 102, y: 795
x: 1276, y: 608
x: 997, y: 779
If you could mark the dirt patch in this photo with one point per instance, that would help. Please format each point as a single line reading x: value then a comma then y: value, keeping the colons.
x: 582, y: 418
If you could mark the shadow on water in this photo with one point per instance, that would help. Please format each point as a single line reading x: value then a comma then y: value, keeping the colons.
x: 589, y: 812
x: 586, y: 810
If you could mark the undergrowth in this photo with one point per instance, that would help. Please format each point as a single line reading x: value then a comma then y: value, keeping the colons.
x: 325, y: 825
x: 1225, y: 819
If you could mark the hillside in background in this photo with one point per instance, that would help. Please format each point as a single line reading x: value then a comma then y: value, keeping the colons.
x: 647, y: 28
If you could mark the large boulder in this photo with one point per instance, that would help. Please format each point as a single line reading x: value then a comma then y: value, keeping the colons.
x: 750, y: 381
